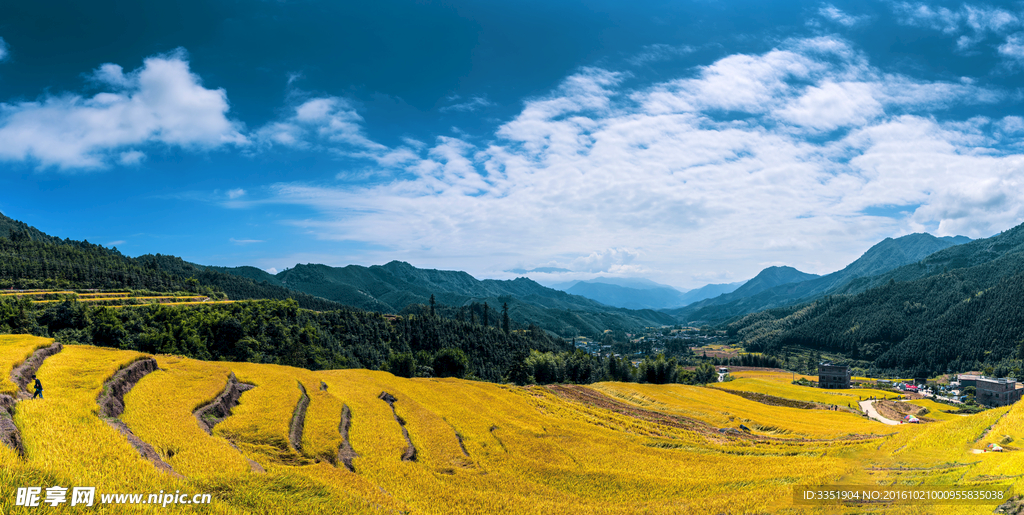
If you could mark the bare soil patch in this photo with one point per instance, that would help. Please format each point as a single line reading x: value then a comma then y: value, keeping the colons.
x: 893, y: 410
x: 220, y: 407
x: 299, y: 420
x: 410, y: 451
x: 9, y: 433
x: 345, y: 451
x: 214, y: 412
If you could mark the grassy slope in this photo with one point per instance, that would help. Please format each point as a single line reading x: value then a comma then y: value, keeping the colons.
x: 529, y: 450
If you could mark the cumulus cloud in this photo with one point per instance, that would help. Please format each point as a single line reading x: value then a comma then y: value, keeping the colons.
x: 162, y: 102
x: 833, y: 13
x: 783, y: 154
x: 332, y: 124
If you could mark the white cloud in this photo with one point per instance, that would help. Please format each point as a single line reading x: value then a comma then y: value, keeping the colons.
x: 659, y: 52
x: 473, y: 104
x: 1013, y: 47
x: 332, y: 124
x: 4, y: 50
x: 162, y: 102
x: 236, y: 193
x: 923, y: 15
x: 321, y: 120
x: 271, y: 271
x: 778, y: 153
x: 244, y: 242
x: 116, y: 243
x: 831, y: 12
x: 609, y: 260
x: 972, y: 23
x: 833, y: 105
x: 131, y: 158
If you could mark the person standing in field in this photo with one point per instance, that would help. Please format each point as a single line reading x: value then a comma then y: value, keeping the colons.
x: 38, y: 387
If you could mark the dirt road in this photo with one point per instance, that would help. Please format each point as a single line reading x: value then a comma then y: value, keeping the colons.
x: 869, y: 408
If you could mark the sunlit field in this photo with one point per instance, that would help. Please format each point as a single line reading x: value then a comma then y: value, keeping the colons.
x: 478, y: 447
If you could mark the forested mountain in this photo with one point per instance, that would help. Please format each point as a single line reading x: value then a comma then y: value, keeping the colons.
x: 30, y: 258
x: 391, y: 287
x: 10, y: 227
x: 882, y: 257
x: 957, y: 309
x: 771, y: 277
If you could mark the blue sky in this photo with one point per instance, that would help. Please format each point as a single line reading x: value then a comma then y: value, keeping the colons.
x: 686, y: 142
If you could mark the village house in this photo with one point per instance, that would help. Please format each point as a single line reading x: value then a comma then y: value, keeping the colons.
x: 833, y: 376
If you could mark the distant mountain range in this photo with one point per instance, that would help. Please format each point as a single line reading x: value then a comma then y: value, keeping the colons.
x: 47, y: 261
x: 392, y: 287
x: 639, y: 293
x: 783, y: 286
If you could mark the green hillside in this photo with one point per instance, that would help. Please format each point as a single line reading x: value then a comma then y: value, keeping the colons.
x: 881, y: 258
x: 392, y: 287
x: 957, y: 309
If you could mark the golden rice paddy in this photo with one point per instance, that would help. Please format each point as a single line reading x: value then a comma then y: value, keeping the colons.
x: 608, y: 448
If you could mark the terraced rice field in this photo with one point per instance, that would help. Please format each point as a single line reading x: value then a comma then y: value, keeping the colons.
x: 111, y: 299
x: 779, y: 388
x: 273, y: 439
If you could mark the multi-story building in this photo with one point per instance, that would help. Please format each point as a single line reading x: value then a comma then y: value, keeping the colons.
x: 833, y: 376
x: 997, y: 392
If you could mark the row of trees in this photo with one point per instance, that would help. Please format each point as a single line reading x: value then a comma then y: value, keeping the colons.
x: 271, y: 331
x: 582, y: 368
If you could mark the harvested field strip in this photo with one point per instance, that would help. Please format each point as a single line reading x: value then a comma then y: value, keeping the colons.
x: 410, y: 451
x: 208, y: 415
x: 36, y: 293
x: 166, y: 409
x: 298, y: 420
x: 111, y: 406
x: 10, y: 436
x: 345, y: 451
x: 590, y: 397
x: 138, y: 300
x: 172, y: 304
x: 774, y: 401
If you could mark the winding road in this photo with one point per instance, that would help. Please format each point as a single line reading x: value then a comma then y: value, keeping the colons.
x: 869, y: 408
